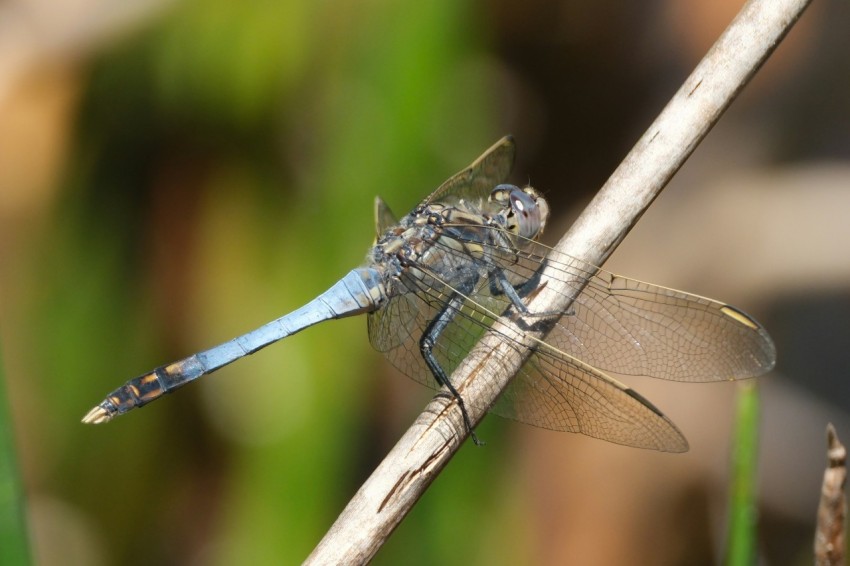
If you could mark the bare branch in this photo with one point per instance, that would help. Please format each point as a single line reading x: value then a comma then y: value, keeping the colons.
x: 829, y: 535
x: 414, y: 462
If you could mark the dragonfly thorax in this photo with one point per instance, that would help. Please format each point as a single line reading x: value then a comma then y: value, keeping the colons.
x: 446, y: 237
x: 411, y: 240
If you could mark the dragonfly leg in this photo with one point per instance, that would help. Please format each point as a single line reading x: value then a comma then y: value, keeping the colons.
x: 499, y: 284
x: 532, y: 282
x: 426, y: 347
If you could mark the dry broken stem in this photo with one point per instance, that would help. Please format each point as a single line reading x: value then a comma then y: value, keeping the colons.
x: 413, y: 463
x: 829, y: 535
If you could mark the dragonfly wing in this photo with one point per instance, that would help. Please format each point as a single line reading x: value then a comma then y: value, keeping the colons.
x: 551, y: 390
x: 384, y: 217
x: 396, y: 329
x: 397, y: 322
x: 560, y: 393
x: 475, y: 183
x: 630, y: 327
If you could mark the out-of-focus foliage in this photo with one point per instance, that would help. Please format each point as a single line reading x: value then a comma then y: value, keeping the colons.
x: 206, y: 166
x: 743, y: 494
x: 14, y: 539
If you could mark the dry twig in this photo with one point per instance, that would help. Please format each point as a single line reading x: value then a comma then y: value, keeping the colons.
x: 410, y: 467
x: 829, y: 535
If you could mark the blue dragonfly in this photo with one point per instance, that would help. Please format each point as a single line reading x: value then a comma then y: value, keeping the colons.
x: 436, y: 281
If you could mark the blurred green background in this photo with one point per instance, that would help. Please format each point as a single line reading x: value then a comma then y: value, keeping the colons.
x: 173, y: 174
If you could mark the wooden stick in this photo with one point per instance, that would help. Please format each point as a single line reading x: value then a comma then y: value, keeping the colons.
x: 413, y: 463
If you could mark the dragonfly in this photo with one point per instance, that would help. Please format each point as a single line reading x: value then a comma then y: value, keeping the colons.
x: 435, y: 282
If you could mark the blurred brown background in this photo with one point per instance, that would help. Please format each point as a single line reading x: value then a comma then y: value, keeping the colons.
x: 175, y: 173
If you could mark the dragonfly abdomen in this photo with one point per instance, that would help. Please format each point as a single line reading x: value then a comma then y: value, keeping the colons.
x: 361, y: 290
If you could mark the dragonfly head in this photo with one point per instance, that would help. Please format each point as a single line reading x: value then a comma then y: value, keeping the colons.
x: 520, y: 211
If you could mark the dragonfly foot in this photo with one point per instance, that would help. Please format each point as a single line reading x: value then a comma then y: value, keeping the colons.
x: 467, y: 423
x: 475, y: 439
x: 466, y: 420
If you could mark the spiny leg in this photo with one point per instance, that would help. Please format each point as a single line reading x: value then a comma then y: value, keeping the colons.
x: 499, y: 285
x: 426, y: 347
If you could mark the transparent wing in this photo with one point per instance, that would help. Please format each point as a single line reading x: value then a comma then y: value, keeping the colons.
x: 396, y: 329
x: 384, y: 217
x: 474, y: 183
x: 635, y: 328
x: 405, y: 317
x: 616, y: 324
x: 551, y: 390
x: 630, y: 327
x: 560, y: 393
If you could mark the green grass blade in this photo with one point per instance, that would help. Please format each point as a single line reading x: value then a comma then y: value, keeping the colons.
x: 14, y: 547
x: 743, y: 512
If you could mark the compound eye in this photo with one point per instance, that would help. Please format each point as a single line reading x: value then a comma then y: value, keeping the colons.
x: 521, y: 202
x: 525, y: 211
